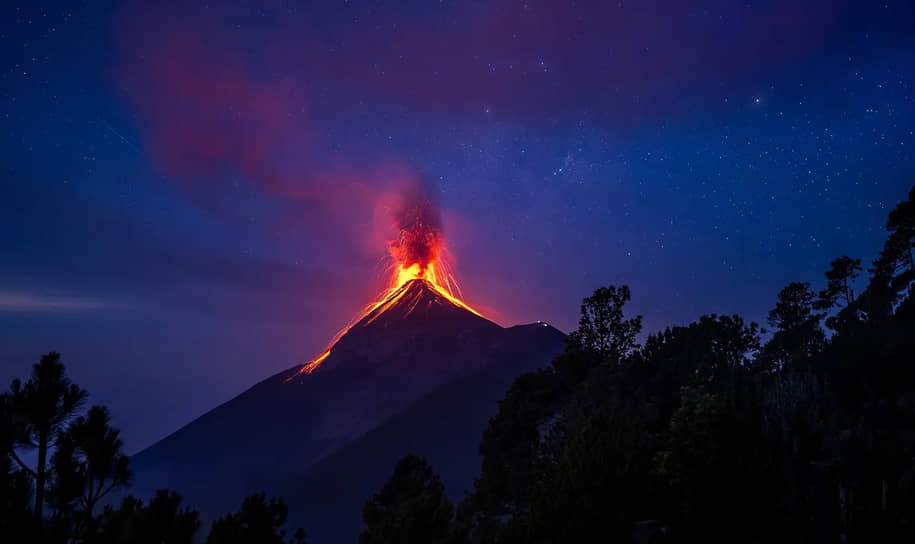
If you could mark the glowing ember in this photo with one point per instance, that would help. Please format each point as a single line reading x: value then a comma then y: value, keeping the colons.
x: 417, y: 255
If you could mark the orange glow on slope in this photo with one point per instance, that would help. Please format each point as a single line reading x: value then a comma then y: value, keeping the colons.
x: 435, y: 274
x: 416, y: 253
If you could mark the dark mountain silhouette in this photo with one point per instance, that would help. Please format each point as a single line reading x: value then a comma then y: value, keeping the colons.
x: 419, y: 374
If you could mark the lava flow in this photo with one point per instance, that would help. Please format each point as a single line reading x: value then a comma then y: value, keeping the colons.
x: 417, y: 255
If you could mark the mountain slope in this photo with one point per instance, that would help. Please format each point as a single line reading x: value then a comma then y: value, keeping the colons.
x: 272, y: 434
x: 445, y: 427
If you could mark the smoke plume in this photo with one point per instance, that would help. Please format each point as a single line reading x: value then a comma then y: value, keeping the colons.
x: 417, y: 220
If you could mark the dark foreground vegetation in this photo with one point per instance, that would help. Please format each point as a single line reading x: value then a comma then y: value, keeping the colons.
x: 78, y: 462
x: 704, y: 433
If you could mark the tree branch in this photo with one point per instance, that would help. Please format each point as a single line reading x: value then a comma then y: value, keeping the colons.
x: 108, y: 489
x: 21, y: 463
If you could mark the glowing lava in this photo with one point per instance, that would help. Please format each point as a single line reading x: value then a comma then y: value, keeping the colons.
x: 436, y: 276
x: 416, y: 253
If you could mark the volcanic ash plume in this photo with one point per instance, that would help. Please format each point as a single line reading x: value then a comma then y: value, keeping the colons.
x: 418, y: 222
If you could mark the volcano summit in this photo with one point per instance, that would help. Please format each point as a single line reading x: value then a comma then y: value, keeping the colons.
x: 419, y: 372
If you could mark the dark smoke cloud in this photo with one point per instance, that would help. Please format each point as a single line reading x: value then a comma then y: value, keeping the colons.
x: 417, y: 219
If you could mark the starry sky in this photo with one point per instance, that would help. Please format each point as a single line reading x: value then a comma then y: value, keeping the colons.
x: 189, y: 197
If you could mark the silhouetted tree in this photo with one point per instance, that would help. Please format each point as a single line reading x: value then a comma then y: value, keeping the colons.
x: 692, y: 453
x: 528, y: 430
x: 602, y: 328
x: 15, y: 484
x: 718, y: 470
x: 893, y: 272
x: 794, y: 308
x: 258, y: 521
x: 511, y: 441
x: 798, y: 337
x: 714, y: 352
x: 79, y: 458
x: 15, y: 498
x: 66, y: 484
x: 162, y: 520
x: 41, y: 407
x: 901, y: 226
x: 841, y: 273
x: 588, y: 476
x: 411, y: 508
x: 88, y: 464
x: 839, y: 291
x: 801, y: 425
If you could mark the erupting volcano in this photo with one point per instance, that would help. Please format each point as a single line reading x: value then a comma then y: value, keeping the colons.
x: 418, y: 370
x: 417, y: 257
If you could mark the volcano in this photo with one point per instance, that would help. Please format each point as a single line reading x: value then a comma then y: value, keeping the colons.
x: 414, y: 309
x: 417, y: 372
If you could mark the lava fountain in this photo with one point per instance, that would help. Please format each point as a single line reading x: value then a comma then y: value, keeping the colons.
x: 417, y: 252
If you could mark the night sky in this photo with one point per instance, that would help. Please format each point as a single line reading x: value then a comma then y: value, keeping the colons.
x: 189, y: 198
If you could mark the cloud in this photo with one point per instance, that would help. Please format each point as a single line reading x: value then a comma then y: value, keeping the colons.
x: 235, y: 134
x: 236, y: 89
x: 27, y: 302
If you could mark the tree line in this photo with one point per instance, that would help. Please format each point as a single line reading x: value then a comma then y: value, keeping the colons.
x: 704, y: 432
x: 59, y: 461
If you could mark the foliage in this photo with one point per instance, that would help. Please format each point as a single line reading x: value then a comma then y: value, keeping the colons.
x: 411, y: 508
x: 79, y: 458
x: 602, y: 329
x: 705, y: 433
x: 161, y: 520
x: 798, y: 338
x: 40, y: 409
x: 258, y: 521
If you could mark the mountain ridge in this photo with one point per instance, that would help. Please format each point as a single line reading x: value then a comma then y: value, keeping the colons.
x: 281, y: 427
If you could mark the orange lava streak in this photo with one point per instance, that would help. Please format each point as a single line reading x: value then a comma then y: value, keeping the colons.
x: 434, y: 273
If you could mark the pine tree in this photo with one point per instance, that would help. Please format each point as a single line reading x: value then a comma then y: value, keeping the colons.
x: 41, y: 408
